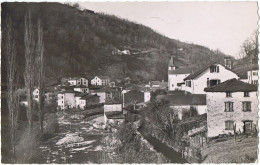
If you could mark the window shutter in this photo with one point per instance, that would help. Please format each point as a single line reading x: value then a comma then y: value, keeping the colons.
x: 217, y: 68
x: 249, y: 106
x: 232, y: 107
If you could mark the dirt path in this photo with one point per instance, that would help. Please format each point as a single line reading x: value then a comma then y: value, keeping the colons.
x: 76, y: 142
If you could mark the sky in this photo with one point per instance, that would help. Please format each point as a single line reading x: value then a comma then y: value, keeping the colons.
x: 217, y: 25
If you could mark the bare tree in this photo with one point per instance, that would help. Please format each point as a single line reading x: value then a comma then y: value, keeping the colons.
x: 40, y: 73
x: 12, y: 83
x: 250, y: 46
x: 29, y: 66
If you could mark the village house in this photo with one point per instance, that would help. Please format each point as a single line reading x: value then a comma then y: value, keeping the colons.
x: 231, y: 104
x: 208, y: 76
x: 36, y: 94
x: 176, y: 75
x: 252, y: 76
x: 88, y: 100
x: 154, y: 85
x: 185, y: 102
x: 66, y: 99
x: 81, y: 88
x: 77, y: 99
x: 113, y: 113
x: 113, y: 118
x: 100, y: 80
x: 106, y: 94
x: 78, y: 81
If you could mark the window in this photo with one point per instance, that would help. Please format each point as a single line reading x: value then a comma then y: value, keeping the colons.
x: 214, y: 82
x: 188, y: 83
x: 214, y: 68
x: 246, y: 106
x: 229, y: 125
x: 228, y: 94
x: 229, y: 107
x: 36, y: 96
x: 255, y: 82
x: 254, y: 73
x: 246, y: 94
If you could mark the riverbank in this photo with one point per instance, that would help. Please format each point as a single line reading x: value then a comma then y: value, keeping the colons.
x: 227, y: 150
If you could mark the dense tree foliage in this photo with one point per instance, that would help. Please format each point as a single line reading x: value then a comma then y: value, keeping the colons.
x: 81, y: 42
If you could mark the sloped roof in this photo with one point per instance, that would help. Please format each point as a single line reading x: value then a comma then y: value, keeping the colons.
x: 184, y: 99
x: 199, y: 71
x: 184, y: 70
x: 232, y: 85
x: 86, y: 97
x: 80, y: 86
x: 81, y: 94
x: 70, y: 91
x: 163, y: 84
x: 106, y: 89
x: 115, y: 115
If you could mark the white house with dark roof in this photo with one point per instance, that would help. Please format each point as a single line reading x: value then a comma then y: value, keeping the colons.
x: 230, y: 104
x: 100, y: 81
x: 66, y: 99
x: 185, y: 102
x: 78, y: 81
x: 209, y: 75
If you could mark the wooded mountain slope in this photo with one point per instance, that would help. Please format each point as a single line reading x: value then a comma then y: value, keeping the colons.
x: 80, y: 43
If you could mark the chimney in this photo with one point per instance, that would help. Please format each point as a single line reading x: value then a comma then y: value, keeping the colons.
x: 228, y: 62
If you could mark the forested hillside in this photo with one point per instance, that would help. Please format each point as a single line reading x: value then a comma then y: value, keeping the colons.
x: 80, y: 43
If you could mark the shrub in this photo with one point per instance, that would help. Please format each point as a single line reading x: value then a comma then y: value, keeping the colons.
x: 51, y: 126
x: 27, y: 147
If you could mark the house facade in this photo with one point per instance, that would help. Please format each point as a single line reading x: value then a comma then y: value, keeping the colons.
x: 78, y: 81
x: 66, y: 99
x: 231, y: 104
x: 88, y: 100
x: 100, y: 81
x: 252, y: 76
x: 210, y: 75
x: 36, y: 94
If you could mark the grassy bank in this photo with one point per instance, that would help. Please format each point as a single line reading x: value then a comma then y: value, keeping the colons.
x: 226, y: 150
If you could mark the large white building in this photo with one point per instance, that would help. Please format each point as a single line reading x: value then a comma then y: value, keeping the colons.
x: 209, y: 75
x: 66, y: 99
x: 100, y: 80
x: 230, y: 104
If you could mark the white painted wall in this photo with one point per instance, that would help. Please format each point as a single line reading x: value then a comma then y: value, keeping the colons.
x: 72, y: 82
x: 200, y: 82
x: 173, y: 79
x: 36, y: 94
x: 102, y: 96
x: 147, y: 96
x: 216, y: 116
x: 201, y: 109
x: 83, y: 90
x: 252, y: 76
x: 112, y: 107
x: 61, y: 102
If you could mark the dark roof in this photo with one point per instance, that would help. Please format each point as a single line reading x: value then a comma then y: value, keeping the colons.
x: 115, y: 115
x: 81, y: 94
x: 184, y: 70
x: 155, y: 82
x: 199, y: 71
x: 70, y: 91
x: 88, y: 97
x: 163, y: 84
x: 80, y: 86
x: 184, y: 99
x: 232, y: 85
x: 106, y: 89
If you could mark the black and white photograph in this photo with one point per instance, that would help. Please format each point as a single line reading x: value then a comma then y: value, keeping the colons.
x: 133, y: 82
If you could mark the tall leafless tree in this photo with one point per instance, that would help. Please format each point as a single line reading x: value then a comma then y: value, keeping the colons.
x: 40, y: 73
x: 12, y: 82
x: 29, y: 42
